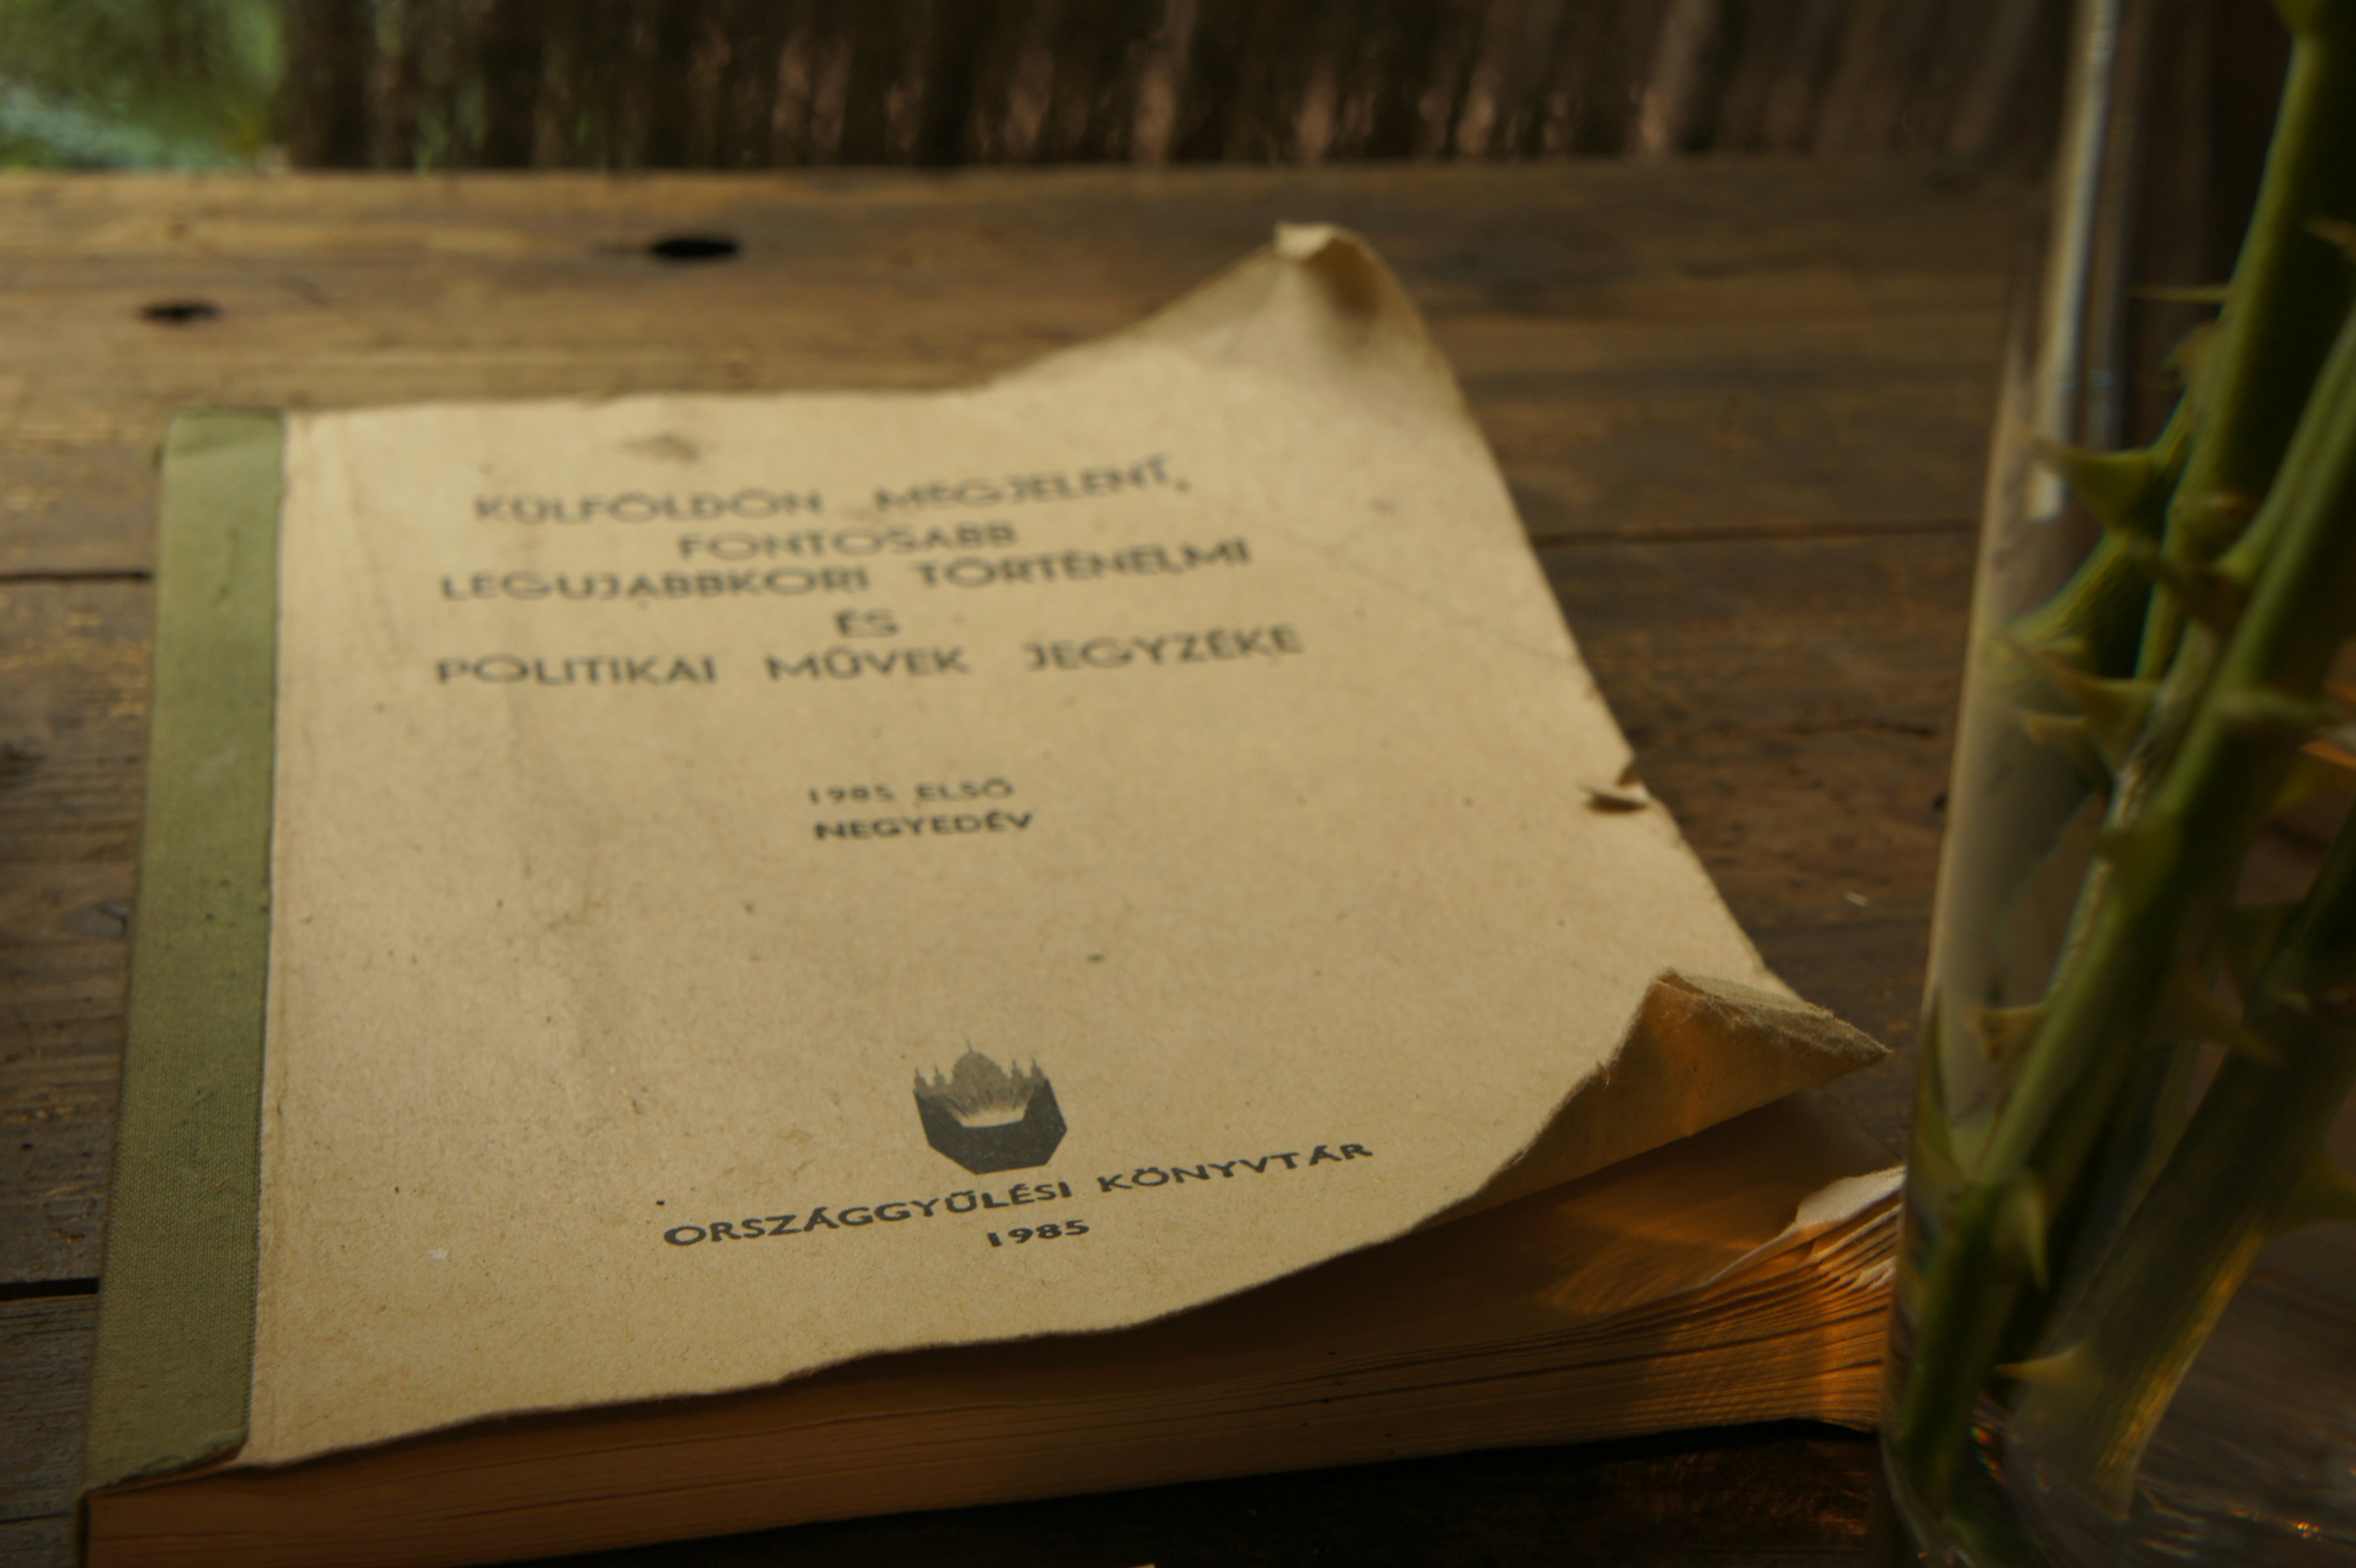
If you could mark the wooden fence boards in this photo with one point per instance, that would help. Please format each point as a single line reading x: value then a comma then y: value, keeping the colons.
x: 755, y: 83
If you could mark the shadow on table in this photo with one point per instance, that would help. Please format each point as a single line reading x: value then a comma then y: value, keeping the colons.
x: 1777, y: 1495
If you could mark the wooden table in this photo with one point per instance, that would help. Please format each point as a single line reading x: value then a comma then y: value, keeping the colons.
x: 1742, y: 405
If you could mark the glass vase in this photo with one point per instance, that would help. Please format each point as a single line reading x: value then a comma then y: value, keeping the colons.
x: 2124, y: 1329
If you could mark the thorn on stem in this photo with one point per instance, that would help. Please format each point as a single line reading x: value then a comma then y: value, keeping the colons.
x: 2274, y: 715
x: 2020, y: 1227
x: 2115, y: 710
x: 2323, y: 1194
x: 2003, y: 1031
x: 2068, y: 734
x: 2336, y: 233
x: 2191, y: 996
x: 2205, y: 593
x: 2110, y: 485
x: 2071, y: 1371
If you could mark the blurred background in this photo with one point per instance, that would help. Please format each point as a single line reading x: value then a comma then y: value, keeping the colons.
x: 626, y: 84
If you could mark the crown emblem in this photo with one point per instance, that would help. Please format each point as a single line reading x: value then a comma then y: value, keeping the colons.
x: 987, y: 1118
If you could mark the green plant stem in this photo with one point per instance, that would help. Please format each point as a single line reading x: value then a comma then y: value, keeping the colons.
x: 2120, y: 1350
x: 2286, y: 280
x: 2095, y: 622
x: 2210, y: 765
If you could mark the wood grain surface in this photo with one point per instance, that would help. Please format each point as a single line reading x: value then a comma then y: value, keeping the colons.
x: 1742, y: 405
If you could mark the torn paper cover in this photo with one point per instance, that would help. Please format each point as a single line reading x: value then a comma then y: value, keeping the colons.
x: 738, y: 860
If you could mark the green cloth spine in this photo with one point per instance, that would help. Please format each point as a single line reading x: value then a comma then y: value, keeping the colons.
x: 173, y: 1361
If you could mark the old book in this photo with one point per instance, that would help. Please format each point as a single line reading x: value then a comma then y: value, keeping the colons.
x: 707, y: 962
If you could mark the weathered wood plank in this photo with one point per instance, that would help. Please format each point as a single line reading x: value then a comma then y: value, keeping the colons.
x: 45, y: 1542
x: 73, y: 683
x: 44, y: 1366
x: 1739, y: 347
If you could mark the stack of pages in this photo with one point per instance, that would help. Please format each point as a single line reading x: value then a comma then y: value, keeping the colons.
x: 707, y: 962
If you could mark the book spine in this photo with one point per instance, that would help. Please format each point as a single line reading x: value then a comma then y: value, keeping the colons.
x: 172, y: 1372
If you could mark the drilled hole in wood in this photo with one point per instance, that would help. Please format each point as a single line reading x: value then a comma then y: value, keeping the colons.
x: 694, y: 248
x: 180, y: 313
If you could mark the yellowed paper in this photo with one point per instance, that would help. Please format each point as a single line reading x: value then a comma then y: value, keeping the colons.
x: 764, y: 880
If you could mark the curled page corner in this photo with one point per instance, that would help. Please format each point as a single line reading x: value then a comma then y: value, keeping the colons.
x: 1345, y: 264
x: 1698, y: 1051
x: 1305, y: 241
x: 1316, y: 303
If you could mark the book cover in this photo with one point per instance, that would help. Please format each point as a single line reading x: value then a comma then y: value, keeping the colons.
x: 657, y: 897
